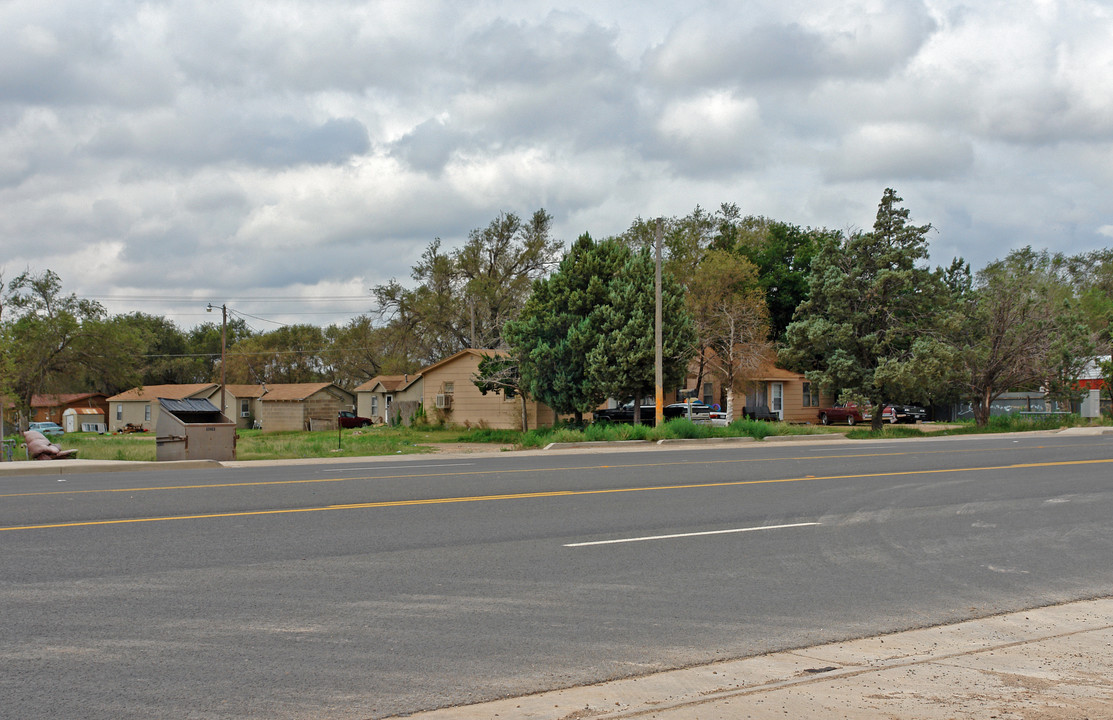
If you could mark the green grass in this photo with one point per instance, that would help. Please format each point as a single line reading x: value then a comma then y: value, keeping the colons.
x: 259, y: 445
x: 996, y: 424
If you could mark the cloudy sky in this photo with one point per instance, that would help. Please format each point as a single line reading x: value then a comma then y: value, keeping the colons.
x: 162, y: 155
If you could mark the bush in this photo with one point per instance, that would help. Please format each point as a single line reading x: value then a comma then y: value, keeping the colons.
x: 756, y: 429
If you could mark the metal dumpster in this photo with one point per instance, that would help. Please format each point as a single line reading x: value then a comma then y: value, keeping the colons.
x: 193, y: 429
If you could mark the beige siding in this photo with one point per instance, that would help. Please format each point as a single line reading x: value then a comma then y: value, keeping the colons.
x: 134, y: 413
x: 470, y: 408
x: 278, y: 415
x: 322, y: 407
x: 413, y: 393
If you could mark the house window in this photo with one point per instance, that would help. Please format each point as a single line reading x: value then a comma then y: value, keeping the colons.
x: 374, y: 407
x: 449, y: 387
x: 811, y: 395
x: 245, y: 407
x: 146, y: 413
x: 708, y: 393
x: 119, y: 412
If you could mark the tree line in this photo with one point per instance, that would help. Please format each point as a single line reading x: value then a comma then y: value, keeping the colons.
x: 859, y: 312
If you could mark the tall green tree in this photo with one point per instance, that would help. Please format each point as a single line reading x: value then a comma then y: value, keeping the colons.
x: 783, y: 256
x: 556, y: 329
x: 464, y: 298
x: 871, y: 324
x: 166, y: 358
x: 730, y: 319
x: 204, y: 343
x: 360, y: 350
x: 1092, y: 277
x: 61, y: 343
x: 291, y: 354
x: 622, y: 361
x: 1021, y: 330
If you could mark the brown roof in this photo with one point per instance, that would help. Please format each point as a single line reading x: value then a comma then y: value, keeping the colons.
x: 297, y: 391
x: 390, y: 383
x: 153, y: 392
x: 56, y: 400
x: 462, y: 353
x: 771, y: 372
x: 245, y: 391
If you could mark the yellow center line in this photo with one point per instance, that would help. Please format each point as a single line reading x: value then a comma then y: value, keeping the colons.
x: 549, y: 494
x: 402, y: 476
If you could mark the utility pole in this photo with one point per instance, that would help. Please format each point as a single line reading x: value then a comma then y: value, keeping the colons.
x: 658, y: 341
x: 223, y: 342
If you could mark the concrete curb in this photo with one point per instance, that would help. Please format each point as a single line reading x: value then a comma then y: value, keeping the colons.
x: 805, y: 438
x: 78, y: 467
x: 1085, y: 431
x: 706, y: 441
x: 1046, y: 658
x: 595, y: 444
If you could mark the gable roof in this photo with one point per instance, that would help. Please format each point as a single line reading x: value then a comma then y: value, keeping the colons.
x: 58, y: 399
x: 298, y: 391
x: 389, y: 383
x: 245, y: 391
x: 772, y: 372
x: 154, y: 392
x: 466, y: 351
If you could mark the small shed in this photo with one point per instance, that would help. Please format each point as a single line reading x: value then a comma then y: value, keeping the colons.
x: 84, y: 420
x: 193, y: 429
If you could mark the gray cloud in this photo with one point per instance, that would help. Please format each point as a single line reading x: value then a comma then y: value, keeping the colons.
x: 300, y: 147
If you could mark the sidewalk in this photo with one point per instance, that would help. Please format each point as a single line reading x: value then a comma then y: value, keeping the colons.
x: 1053, y: 663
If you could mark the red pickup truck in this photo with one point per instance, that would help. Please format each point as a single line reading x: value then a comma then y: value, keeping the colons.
x: 852, y: 414
x: 349, y: 419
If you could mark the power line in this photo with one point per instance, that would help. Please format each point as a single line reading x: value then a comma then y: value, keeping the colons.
x: 245, y: 298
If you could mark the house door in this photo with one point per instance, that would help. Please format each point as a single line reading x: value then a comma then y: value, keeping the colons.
x: 777, y: 400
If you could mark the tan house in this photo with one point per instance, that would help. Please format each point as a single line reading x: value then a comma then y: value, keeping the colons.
x: 139, y: 406
x: 786, y: 395
x: 303, y: 406
x: 384, y: 398
x: 449, y: 393
x: 771, y: 394
x: 241, y: 403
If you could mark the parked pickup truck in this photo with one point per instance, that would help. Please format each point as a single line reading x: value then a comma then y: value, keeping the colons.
x: 696, y: 411
x: 852, y: 414
x: 349, y: 419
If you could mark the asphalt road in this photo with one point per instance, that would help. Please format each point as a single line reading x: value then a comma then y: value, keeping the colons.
x: 382, y: 587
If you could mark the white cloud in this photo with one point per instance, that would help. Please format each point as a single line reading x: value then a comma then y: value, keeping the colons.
x: 887, y: 153
x: 206, y: 149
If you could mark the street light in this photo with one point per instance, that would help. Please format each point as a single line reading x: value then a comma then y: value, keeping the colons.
x: 223, y: 337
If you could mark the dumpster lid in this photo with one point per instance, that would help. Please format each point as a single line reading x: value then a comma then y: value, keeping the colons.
x: 189, y: 405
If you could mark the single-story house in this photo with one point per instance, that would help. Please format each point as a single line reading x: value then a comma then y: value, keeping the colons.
x: 785, y: 395
x: 51, y: 407
x: 241, y: 403
x: 384, y: 397
x: 139, y: 406
x: 770, y: 393
x: 449, y: 393
x: 303, y: 406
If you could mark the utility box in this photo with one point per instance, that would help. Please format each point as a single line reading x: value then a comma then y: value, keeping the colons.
x: 193, y: 429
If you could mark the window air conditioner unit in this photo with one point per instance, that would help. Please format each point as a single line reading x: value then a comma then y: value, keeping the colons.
x: 244, y: 414
x: 444, y: 401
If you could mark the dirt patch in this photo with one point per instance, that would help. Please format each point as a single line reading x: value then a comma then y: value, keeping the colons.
x: 469, y: 448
